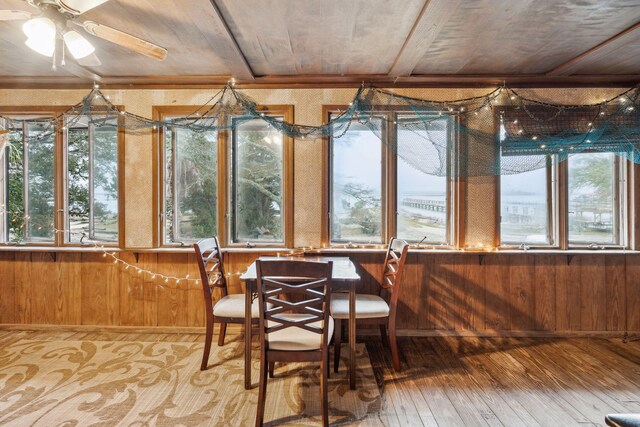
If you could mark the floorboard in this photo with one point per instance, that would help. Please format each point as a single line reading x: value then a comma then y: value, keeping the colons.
x: 472, y: 381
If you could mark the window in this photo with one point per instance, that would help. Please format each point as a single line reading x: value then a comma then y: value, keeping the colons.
x: 589, y: 212
x: 235, y: 184
x: 596, y: 197
x: 383, y: 183
x: 423, y: 199
x: 32, y: 210
x: 526, y: 201
x: 257, y: 183
x: 356, y: 214
x: 27, y: 182
x: 190, y: 185
x: 91, y: 177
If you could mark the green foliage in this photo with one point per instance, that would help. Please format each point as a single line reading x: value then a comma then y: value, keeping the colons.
x: 78, y: 172
x: 259, y: 187
x: 40, y: 178
x: 365, y: 211
x: 196, y: 178
x: 40, y: 185
x: 593, y: 172
x: 105, y: 177
x: 15, y: 187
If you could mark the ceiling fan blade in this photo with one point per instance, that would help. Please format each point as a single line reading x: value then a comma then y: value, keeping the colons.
x: 78, y: 7
x: 126, y: 40
x: 14, y: 15
x: 89, y: 61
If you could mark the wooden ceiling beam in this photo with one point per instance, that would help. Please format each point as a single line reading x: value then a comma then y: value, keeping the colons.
x: 573, y: 64
x: 240, y: 70
x: 324, y: 81
x: 424, y: 31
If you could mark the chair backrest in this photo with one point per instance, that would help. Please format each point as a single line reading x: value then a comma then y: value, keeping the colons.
x: 309, y: 282
x: 211, y: 266
x: 394, y: 267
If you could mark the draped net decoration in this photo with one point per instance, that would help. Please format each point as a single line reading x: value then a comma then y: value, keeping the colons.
x: 503, y: 132
x: 500, y: 133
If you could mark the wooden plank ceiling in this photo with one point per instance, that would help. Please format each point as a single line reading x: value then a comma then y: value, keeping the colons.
x: 422, y: 42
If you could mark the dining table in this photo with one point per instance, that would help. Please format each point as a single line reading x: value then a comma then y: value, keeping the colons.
x: 344, y: 278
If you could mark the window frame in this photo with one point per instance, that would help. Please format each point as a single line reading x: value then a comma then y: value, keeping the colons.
x: 621, y: 204
x: 40, y: 112
x: 553, y: 212
x: 57, y: 112
x: 223, y: 208
x: 558, y: 200
x: 64, y: 178
x: 455, y: 187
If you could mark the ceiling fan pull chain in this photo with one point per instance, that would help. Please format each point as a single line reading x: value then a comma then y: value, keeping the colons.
x: 62, y: 62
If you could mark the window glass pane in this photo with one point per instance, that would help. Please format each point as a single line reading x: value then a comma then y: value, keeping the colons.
x: 105, y: 183
x: 14, y: 185
x: 191, y: 164
x: 422, y: 198
x: 257, y: 183
x: 592, y: 198
x: 525, y: 201
x: 27, y: 181
x: 524, y: 207
x: 92, y: 179
x: 356, y: 173
x: 40, y: 183
x: 78, y: 180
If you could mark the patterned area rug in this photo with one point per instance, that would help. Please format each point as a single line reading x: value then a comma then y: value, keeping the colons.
x: 61, y: 382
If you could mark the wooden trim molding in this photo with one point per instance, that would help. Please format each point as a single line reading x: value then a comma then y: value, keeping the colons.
x: 326, y: 81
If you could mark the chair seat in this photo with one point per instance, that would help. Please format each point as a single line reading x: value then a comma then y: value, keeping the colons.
x: 294, y: 338
x: 367, y: 306
x: 233, y: 306
x: 623, y: 420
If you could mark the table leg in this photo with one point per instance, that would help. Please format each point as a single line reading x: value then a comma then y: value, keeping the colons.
x: 247, y: 337
x: 352, y: 335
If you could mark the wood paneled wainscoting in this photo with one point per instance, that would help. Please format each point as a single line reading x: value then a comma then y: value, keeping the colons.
x: 442, y: 292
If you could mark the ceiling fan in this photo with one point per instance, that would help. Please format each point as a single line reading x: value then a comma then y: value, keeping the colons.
x: 59, y: 19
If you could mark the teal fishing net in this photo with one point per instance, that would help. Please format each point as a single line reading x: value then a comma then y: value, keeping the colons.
x: 502, y: 132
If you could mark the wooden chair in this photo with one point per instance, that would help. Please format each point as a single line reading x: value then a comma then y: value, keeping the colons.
x: 230, y: 308
x: 294, y: 331
x: 374, y: 308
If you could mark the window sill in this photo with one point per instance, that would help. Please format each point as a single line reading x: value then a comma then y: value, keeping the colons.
x: 171, y: 250
x: 318, y: 251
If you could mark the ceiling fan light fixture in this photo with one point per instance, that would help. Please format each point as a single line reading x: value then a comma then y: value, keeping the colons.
x: 78, y: 45
x: 43, y: 46
x: 41, y: 35
x: 39, y: 29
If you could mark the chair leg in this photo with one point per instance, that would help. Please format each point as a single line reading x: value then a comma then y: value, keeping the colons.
x: 337, y: 343
x: 262, y: 390
x: 207, y: 345
x: 383, y: 334
x: 272, y: 366
x: 222, y: 334
x: 324, y: 390
x: 394, y: 346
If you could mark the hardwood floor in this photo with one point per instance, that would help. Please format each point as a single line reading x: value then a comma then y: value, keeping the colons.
x: 450, y: 381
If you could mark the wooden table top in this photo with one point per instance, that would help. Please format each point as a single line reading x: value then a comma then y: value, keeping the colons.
x: 343, y: 267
